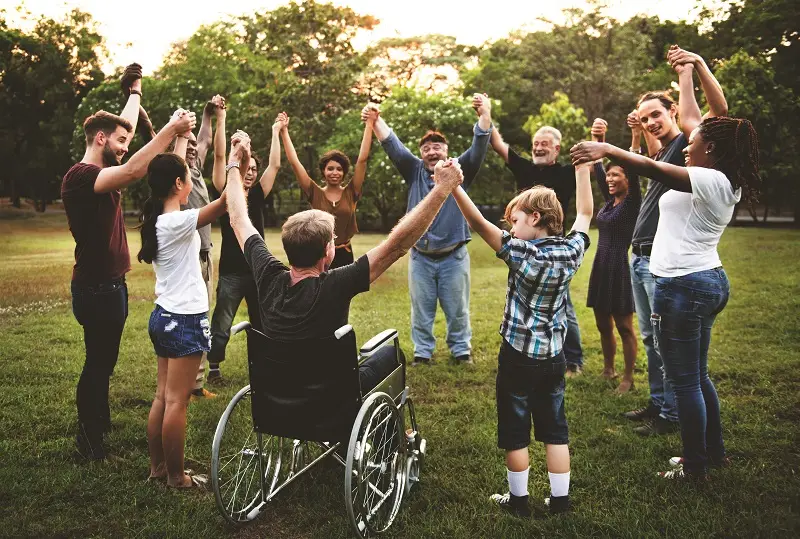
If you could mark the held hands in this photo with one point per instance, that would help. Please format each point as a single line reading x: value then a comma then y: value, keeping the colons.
x: 682, y: 60
x: 482, y: 104
x: 448, y: 173
x: 216, y: 105
x: 281, y: 122
x: 599, y: 128
x: 588, y: 152
x: 131, y: 79
x: 370, y: 113
x: 182, y: 121
x: 240, y: 150
x: 633, y: 122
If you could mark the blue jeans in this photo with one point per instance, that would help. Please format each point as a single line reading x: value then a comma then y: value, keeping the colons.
x: 231, y: 289
x: 101, y: 309
x: 684, y: 310
x: 573, y: 352
x: 446, y: 280
x: 662, y: 395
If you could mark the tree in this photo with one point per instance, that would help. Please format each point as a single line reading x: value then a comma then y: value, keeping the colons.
x: 567, y: 118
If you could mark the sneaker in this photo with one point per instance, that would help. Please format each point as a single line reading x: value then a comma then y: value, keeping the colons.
x: 642, y: 414
x: 516, y: 505
x: 573, y: 371
x: 558, y: 504
x: 202, y: 393
x: 679, y: 474
x: 678, y: 461
x: 466, y: 359
x: 421, y: 361
x: 657, y: 426
x: 214, y: 378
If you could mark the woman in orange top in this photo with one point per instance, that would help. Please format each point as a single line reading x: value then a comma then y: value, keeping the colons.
x: 336, y: 198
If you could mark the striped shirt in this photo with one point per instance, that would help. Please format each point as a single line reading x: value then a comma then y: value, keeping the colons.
x: 535, y: 318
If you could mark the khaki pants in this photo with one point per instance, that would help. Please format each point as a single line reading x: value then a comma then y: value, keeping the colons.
x: 207, y: 270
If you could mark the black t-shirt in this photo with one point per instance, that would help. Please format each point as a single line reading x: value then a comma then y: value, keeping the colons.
x: 311, y: 309
x: 231, y: 259
x: 560, y: 178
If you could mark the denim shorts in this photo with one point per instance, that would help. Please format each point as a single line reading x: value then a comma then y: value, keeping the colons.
x: 178, y: 335
x: 530, y: 391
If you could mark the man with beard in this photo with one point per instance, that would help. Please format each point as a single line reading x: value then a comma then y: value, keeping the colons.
x: 543, y: 169
x: 91, y: 191
x: 196, y: 152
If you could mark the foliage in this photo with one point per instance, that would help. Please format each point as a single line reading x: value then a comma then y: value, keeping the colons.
x: 563, y: 115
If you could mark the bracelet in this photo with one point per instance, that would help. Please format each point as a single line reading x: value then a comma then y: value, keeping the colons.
x: 137, y: 92
x: 635, y: 150
x: 229, y: 166
x: 181, y: 136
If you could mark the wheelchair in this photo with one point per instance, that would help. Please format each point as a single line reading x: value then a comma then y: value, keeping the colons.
x: 303, y: 403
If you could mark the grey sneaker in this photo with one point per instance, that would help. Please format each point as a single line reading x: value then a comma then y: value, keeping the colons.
x: 657, y: 426
x: 516, y: 505
x: 421, y: 361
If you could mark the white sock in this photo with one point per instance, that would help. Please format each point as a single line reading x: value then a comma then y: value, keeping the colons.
x: 518, y: 482
x: 559, y: 484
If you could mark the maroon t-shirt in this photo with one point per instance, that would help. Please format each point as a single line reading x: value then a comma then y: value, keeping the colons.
x: 95, y: 220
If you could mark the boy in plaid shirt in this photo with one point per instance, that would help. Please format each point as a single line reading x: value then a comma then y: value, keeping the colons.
x: 530, y: 376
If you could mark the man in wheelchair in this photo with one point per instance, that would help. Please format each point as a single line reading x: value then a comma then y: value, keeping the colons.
x: 306, y: 300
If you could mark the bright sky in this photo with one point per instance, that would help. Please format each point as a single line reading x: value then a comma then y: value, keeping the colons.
x: 143, y: 30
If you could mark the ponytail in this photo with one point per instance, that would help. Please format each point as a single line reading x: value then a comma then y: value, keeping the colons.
x: 161, y: 174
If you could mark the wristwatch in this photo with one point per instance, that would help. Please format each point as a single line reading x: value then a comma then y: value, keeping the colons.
x: 229, y: 166
x: 137, y: 92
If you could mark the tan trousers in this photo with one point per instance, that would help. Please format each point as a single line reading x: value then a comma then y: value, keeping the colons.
x: 207, y: 269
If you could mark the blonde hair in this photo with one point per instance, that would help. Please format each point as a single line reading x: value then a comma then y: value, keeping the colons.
x: 539, y: 199
x: 306, y: 236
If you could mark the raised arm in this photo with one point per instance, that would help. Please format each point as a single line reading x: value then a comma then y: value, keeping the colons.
x: 131, y: 83
x: 498, y: 144
x: 688, y: 109
x: 300, y: 171
x: 403, y: 160
x: 382, y: 130
x: 212, y: 211
x: 220, y: 142
x: 672, y: 176
x: 113, y: 178
x: 584, y: 201
x: 598, y: 131
x: 717, y: 104
x: 447, y: 176
x: 267, y: 180
x: 145, y: 126
x: 182, y: 141
x: 360, y: 170
x: 472, y: 159
x: 235, y: 197
x: 487, y: 230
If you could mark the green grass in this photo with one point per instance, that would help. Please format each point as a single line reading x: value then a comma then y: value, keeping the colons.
x: 754, y: 356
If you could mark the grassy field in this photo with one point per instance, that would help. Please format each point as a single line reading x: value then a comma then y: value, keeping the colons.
x: 754, y: 357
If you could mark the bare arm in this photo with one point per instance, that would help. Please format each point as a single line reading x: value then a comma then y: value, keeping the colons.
x: 487, y: 230
x: 687, y: 104
x: 498, y: 144
x: 672, y: 176
x: 113, y: 178
x: 131, y: 110
x: 218, y: 172
x: 360, y: 170
x: 416, y: 222
x: 236, y: 200
x: 212, y: 211
x: 717, y: 104
x: 181, y: 143
x: 267, y: 180
x: 300, y: 171
x: 584, y: 203
x: 204, y: 135
x: 380, y: 127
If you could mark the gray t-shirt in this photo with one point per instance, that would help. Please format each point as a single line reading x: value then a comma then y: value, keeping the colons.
x: 646, y: 224
x: 198, y: 198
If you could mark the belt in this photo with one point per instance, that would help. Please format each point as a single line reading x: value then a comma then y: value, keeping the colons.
x: 642, y: 249
x: 438, y: 255
x: 204, y: 255
x: 346, y: 246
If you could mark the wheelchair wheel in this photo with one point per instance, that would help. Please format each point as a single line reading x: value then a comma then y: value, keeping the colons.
x: 244, y: 463
x: 376, y: 464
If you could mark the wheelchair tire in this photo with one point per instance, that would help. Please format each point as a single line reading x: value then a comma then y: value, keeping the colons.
x: 244, y: 463
x: 376, y: 465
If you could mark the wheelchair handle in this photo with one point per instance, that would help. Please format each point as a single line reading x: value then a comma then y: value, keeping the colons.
x: 342, y: 331
x: 241, y: 326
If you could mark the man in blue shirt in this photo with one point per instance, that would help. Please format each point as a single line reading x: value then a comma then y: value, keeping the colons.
x: 439, y: 263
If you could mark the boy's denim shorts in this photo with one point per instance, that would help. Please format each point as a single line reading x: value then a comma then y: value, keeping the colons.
x: 178, y: 335
x: 530, y: 391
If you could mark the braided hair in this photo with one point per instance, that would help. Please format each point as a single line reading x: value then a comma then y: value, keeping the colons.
x: 161, y: 174
x: 736, y: 150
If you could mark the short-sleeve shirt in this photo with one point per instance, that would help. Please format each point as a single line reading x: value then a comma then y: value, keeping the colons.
x: 180, y: 287
x: 692, y: 223
x: 198, y: 198
x: 539, y: 272
x: 95, y: 221
x: 560, y: 178
x: 314, y: 307
x: 231, y: 259
x: 343, y: 211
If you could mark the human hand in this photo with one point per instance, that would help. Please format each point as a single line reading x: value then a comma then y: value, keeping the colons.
x: 370, y: 112
x: 588, y: 152
x: 240, y: 144
x: 682, y: 60
x: 633, y: 121
x: 448, y: 173
x: 182, y: 122
x: 281, y: 121
x: 131, y: 79
x: 599, y: 128
x: 482, y: 104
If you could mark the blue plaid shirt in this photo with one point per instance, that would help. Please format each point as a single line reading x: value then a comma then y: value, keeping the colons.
x: 535, y: 318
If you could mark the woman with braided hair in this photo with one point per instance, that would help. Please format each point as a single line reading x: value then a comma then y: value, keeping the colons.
x: 691, y: 287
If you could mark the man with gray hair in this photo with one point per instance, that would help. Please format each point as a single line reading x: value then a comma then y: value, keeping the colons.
x: 543, y: 169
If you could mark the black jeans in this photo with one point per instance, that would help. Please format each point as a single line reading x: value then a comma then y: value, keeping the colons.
x: 101, y: 309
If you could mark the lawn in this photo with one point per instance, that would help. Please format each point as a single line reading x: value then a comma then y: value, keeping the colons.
x: 754, y: 360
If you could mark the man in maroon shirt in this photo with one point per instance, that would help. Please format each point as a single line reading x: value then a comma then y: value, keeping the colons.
x: 91, y: 191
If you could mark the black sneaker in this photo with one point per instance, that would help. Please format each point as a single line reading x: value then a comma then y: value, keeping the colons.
x: 642, y: 414
x: 516, y: 505
x: 466, y: 359
x: 558, y: 504
x: 421, y: 361
x: 657, y: 426
x: 215, y: 378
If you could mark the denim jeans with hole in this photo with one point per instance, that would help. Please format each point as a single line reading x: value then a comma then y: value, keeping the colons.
x: 684, y: 310
x: 661, y: 394
x: 446, y: 281
x: 101, y: 308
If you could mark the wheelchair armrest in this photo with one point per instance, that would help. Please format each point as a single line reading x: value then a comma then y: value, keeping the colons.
x: 241, y: 326
x: 369, y: 348
x: 342, y: 331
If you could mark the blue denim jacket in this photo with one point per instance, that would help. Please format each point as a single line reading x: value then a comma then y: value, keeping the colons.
x: 449, y: 227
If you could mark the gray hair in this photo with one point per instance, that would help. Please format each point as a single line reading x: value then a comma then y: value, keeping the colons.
x: 548, y: 130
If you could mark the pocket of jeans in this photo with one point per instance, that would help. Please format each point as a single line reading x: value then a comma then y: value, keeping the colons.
x: 169, y: 329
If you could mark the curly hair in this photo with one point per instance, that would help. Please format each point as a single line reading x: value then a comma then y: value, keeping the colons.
x: 736, y: 152
x: 334, y: 155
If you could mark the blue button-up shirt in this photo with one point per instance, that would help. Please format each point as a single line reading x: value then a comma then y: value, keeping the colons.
x: 449, y: 228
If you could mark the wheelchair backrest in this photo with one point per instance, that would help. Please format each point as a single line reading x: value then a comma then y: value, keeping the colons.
x: 305, y: 390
